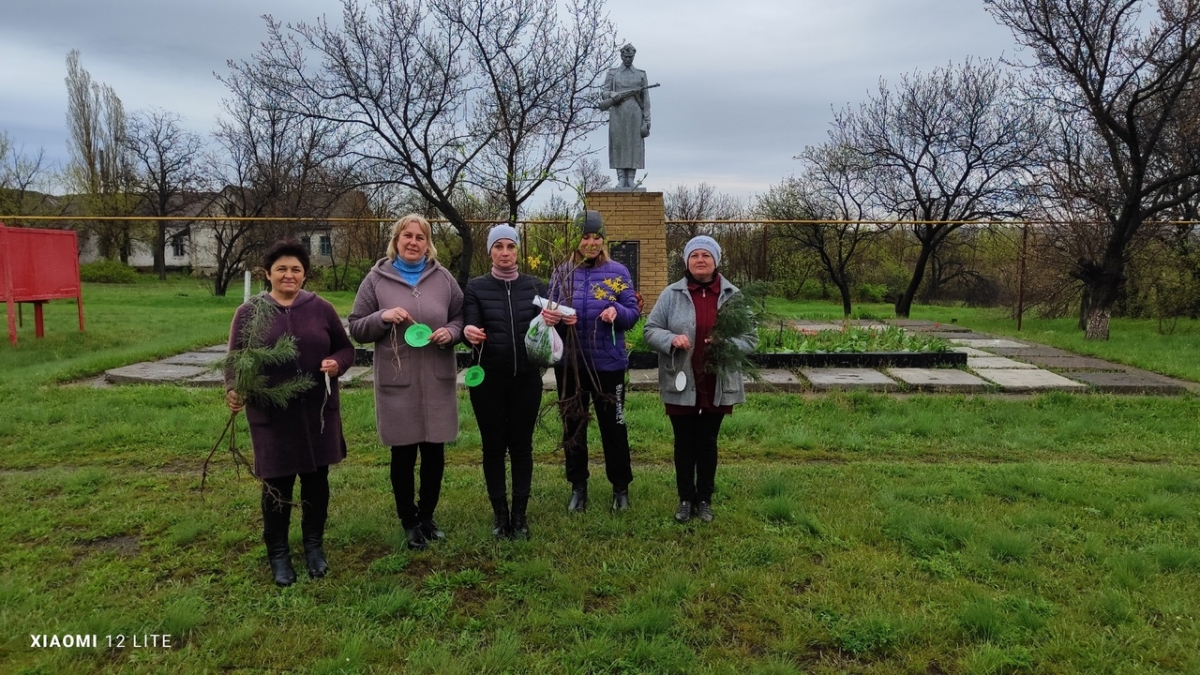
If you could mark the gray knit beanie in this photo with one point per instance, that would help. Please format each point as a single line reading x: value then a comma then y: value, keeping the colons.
x: 591, y: 223
x: 502, y: 231
x: 706, y: 243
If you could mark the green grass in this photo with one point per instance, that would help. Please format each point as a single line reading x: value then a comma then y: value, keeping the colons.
x: 854, y: 533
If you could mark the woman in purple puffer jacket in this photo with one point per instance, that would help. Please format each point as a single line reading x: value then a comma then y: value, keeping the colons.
x: 595, y: 360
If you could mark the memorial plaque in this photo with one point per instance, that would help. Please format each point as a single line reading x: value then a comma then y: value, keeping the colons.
x: 626, y: 253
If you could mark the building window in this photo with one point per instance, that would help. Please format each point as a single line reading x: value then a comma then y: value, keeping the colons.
x: 326, y: 246
x: 179, y: 246
x: 306, y: 242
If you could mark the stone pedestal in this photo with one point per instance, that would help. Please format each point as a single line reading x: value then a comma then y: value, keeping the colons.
x: 636, y: 231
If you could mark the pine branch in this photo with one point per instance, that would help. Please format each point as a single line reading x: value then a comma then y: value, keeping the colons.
x: 736, y: 318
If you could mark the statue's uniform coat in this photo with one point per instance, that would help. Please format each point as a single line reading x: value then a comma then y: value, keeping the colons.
x: 626, y: 145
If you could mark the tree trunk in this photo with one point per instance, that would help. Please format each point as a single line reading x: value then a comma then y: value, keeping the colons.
x: 1097, y: 325
x: 844, y: 287
x: 1102, y: 287
x: 904, y: 306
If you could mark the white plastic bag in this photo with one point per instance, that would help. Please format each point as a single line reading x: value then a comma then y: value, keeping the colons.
x: 542, y: 343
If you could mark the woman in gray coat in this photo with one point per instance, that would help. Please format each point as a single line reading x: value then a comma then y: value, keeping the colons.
x: 416, y: 406
x: 697, y: 401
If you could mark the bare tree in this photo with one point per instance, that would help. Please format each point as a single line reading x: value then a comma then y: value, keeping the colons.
x: 540, y: 69
x: 954, y: 145
x: 100, y: 166
x: 834, y: 186
x: 167, y: 174
x: 24, y: 180
x: 589, y: 176
x: 1124, y: 88
x: 440, y: 92
x: 270, y: 164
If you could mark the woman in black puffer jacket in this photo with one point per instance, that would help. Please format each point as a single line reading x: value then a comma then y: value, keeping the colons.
x: 497, y: 309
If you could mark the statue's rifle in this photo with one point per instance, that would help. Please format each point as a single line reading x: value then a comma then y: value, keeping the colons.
x: 630, y: 92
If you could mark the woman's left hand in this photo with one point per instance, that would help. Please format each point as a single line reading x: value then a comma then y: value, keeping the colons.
x: 329, y: 367
x: 441, y: 336
x: 609, y: 315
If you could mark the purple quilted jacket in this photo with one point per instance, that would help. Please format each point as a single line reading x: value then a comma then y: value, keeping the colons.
x: 591, y: 290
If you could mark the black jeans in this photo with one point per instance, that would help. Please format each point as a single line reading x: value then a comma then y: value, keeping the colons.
x: 696, y: 455
x: 433, y: 464
x: 506, y: 408
x: 610, y: 415
x: 314, y: 500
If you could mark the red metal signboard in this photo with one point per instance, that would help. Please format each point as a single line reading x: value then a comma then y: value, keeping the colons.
x: 37, y: 266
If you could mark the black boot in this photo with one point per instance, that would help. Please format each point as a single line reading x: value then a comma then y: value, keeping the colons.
x: 684, y: 513
x: 520, y: 528
x: 415, y: 539
x: 276, y: 518
x: 620, y: 499
x: 314, y: 542
x: 314, y: 513
x: 501, y: 527
x: 579, y: 497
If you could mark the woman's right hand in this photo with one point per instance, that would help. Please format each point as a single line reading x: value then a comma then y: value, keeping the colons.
x: 396, y: 315
x: 681, y: 342
x: 553, y: 316
x: 233, y: 401
x: 474, y: 335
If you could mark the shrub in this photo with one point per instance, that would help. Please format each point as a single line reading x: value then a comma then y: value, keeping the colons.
x: 107, y: 272
x: 871, y: 292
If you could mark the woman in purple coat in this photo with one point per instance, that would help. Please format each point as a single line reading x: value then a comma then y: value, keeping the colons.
x: 305, y: 437
x: 595, y: 360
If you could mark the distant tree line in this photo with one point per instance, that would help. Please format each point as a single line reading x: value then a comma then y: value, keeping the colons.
x: 464, y: 109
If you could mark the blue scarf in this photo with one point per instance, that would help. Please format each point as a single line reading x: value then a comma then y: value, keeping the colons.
x: 410, y: 272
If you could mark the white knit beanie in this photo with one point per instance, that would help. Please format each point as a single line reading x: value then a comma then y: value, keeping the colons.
x: 706, y: 243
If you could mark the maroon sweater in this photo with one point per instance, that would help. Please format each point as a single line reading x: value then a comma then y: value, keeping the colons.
x: 704, y: 299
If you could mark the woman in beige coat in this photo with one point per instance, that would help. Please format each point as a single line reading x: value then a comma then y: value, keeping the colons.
x: 416, y: 407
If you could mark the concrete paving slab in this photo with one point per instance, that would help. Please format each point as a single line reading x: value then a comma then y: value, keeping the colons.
x: 816, y: 326
x: 914, y: 324
x: 194, y: 359
x: 216, y: 348
x: 1015, y: 380
x: 981, y: 362
x: 358, y: 377
x: 979, y: 343
x: 775, y: 381
x: 1076, y: 363
x: 842, y: 379
x: 213, y: 378
x: 947, y: 380
x: 971, y: 351
x: 1031, y: 350
x: 1131, y: 383
x: 148, y: 372
x: 948, y: 328
x: 639, y: 380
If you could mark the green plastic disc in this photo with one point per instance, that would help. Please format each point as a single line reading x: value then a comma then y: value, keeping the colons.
x: 473, y: 376
x: 417, y: 335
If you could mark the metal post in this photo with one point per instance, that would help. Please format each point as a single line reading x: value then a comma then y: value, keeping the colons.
x: 246, y: 288
x: 1021, y: 276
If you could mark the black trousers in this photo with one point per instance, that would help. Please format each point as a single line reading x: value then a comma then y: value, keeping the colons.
x: 696, y: 455
x: 610, y: 415
x: 506, y: 408
x: 433, y: 465
x: 314, y: 500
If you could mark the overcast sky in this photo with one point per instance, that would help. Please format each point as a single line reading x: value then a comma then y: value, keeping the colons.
x: 746, y: 84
